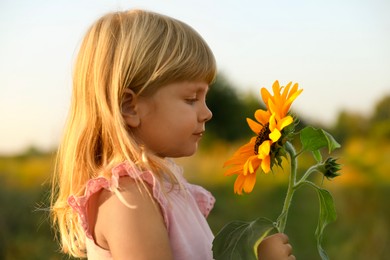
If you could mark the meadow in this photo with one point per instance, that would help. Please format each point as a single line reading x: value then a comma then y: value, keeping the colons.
x: 361, y: 193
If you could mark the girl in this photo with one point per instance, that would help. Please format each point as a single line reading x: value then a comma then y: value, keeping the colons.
x: 139, y: 91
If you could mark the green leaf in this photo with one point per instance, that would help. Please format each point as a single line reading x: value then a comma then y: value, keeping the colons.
x: 326, y: 216
x: 332, y: 143
x: 317, y: 155
x: 238, y: 240
x: 313, y: 139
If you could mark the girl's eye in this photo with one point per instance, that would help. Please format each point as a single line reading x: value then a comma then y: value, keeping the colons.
x: 191, y: 100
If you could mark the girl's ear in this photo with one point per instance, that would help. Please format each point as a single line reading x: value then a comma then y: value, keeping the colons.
x: 129, y: 108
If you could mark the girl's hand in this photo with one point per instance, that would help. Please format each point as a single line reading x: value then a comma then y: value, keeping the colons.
x: 275, y: 247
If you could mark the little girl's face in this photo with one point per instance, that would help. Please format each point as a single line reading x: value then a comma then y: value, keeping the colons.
x: 172, y: 120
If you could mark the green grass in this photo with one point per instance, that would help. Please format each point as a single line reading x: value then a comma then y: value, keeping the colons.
x: 361, y: 195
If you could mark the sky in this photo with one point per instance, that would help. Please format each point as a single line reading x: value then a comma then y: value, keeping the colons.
x: 337, y: 50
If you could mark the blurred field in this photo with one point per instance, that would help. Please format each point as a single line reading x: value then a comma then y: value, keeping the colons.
x: 361, y: 194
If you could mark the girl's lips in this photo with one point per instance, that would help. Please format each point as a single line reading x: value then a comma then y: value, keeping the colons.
x: 199, y: 133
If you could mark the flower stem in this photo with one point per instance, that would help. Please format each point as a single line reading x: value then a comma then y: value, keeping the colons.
x: 282, y: 219
x: 307, y: 174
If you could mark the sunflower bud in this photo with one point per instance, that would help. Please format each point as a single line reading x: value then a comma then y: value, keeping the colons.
x: 330, y: 168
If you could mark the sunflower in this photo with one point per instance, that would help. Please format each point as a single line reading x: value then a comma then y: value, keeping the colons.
x: 263, y: 148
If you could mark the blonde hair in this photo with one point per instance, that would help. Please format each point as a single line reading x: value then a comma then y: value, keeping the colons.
x: 135, y: 49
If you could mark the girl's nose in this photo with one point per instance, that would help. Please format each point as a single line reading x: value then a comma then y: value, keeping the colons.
x: 206, y: 114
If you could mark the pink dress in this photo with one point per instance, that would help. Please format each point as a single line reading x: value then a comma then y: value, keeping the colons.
x: 184, y: 213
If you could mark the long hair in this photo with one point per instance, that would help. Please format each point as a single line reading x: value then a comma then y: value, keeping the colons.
x: 134, y: 49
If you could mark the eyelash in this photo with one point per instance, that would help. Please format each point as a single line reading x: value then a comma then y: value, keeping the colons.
x: 191, y: 100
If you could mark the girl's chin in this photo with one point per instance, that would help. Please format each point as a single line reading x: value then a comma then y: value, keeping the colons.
x: 183, y: 153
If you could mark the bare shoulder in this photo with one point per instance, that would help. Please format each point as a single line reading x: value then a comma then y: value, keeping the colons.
x: 129, y: 223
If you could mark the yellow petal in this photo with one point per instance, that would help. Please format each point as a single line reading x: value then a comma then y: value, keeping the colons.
x: 265, y: 95
x: 253, y: 164
x: 272, y: 122
x: 273, y: 107
x: 238, y: 184
x: 262, y: 116
x: 251, y: 169
x: 246, y: 168
x: 286, y: 90
x: 289, y: 101
x: 256, y: 127
x: 285, y: 122
x: 249, y: 183
x: 275, y: 135
x: 266, y: 164
x: 264, y: 149
x: 293, y: 90
x: 276, y: 89
x: 237, y: 169
x: 241, y: 155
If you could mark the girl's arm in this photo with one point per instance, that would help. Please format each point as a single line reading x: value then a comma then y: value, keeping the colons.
x: 275, y: 247
x: 138, y: 232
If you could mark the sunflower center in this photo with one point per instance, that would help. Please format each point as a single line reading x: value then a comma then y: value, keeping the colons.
x: 262, y: 136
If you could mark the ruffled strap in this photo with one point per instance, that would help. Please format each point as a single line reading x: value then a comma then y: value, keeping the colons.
x: 203, y: 198
x: 80, y: 203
